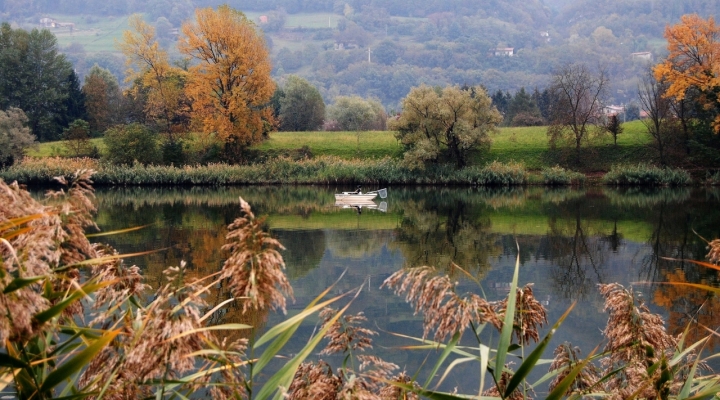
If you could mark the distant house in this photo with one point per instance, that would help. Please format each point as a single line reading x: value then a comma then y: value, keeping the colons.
x: 642, y: 55
x: 545, y: 35
x: 613, y: 110
x: 46, y: 22
x: 503, y: 51
x: 343, y: 45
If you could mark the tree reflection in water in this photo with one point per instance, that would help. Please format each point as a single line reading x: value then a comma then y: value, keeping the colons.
x: 574, y: 239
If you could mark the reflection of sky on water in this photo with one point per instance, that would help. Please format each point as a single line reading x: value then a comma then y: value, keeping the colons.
x: 569, y: 242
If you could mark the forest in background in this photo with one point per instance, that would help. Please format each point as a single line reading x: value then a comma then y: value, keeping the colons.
x: 383, y: 48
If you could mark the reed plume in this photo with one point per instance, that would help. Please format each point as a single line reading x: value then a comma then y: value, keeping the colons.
x: 254, y: 269
x: 713, y: 254
x: 443, y: 310
x: 529, y: 315
x: 566, y: 358
x: 345, y: 335
x: 636, y: 339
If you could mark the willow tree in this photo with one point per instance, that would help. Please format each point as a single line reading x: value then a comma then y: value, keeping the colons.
x: 444, y: 124
x: 229, y: 83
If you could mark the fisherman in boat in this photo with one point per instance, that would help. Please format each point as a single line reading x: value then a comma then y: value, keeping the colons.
x: 357, y: 191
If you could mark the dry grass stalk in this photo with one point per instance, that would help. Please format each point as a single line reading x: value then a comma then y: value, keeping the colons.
x: 254, y: 269
x: 631, y: 330
x: 714, y: 251
x: 566, y: 358
x: 345, y: 335
x: 54, y: 238
x: 443, y: 310
x: 157, y: 344
x: 529, y: 315
x: 314, y: 381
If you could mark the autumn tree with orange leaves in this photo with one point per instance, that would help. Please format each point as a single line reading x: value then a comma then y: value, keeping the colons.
x: 693, y: 63
x: 229, y: 82
x: 151, y: 73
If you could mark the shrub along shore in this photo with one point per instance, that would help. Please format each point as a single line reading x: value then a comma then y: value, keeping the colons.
x: 328, y: 170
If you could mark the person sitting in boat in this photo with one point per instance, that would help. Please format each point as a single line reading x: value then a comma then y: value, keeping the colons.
x: 357, y: 191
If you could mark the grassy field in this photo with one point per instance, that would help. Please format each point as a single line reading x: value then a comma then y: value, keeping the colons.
x: 528, y: 145
x: 95, y: 34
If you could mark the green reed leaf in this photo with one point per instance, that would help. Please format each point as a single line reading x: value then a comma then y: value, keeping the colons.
x: 75, y: 364
x: 19, y: 283
x: 531, y: 360
x: 9, y: 361
x: 446, y: 352
x: 507, y: 330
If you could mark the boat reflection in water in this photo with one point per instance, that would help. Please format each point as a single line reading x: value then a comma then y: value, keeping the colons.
x: 359, y: 204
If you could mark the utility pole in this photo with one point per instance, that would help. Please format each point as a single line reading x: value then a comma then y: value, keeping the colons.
x: 369, y: 55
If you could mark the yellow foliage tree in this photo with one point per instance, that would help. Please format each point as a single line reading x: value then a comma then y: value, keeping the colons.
x: 693, y: 61
x: 150, y: 71
x: 229, y: 84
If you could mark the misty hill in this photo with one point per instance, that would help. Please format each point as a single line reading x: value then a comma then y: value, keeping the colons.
x: 382, y: 48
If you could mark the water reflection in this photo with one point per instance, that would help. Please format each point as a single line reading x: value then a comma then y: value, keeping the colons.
x: 569, y: 241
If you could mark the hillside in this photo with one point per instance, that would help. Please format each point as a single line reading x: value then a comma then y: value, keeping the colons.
x: 382, y: 48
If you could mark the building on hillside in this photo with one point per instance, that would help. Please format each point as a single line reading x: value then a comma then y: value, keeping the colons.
x: 642, y: 55
x: 46, y: 22
x: 613, y: 110
x: 503, y: 51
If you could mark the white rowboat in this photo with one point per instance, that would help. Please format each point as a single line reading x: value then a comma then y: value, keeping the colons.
x: 352, y: 197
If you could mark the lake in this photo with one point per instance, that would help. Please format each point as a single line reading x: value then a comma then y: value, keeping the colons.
x: 569, y: 242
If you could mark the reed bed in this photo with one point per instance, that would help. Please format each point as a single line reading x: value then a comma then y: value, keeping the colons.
x: 646, y: 175
x: 320, y: 170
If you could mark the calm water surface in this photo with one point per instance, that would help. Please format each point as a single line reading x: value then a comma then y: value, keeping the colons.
x: 570, y: 241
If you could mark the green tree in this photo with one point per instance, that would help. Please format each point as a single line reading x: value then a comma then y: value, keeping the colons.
x: 34, y: 78
x: 522, y: 110
x: 15, y: 136
x: 125, y: 144
x: 302, y: 107
x: 75, y: 102
x: 352, y: 113
x: 77, y: 138
x: 444, y: 124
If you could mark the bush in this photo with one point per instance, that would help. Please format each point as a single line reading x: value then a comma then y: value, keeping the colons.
x: 646, y: 175
x: 126, y: 144
x: 559, y: 176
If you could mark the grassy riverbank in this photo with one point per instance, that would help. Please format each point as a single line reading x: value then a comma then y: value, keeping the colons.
x: 528, y: 145
x: 518, y: 156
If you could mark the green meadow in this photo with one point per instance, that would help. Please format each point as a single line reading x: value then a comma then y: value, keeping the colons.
x: 527, y: 145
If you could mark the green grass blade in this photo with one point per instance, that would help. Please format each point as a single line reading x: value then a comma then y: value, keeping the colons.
x: 55, y: 310
x: 507, y: 330
x: 563, y: 386
x: 229, y: 327
x: 283, y: 332
x: 9, y: 361
x: 446, y: 352
x: 531, y: 360
x: 687, y: 386
x: 284, y: 376
x: 436, y: 395
x: 75, y: 364
x: 19, y: 283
